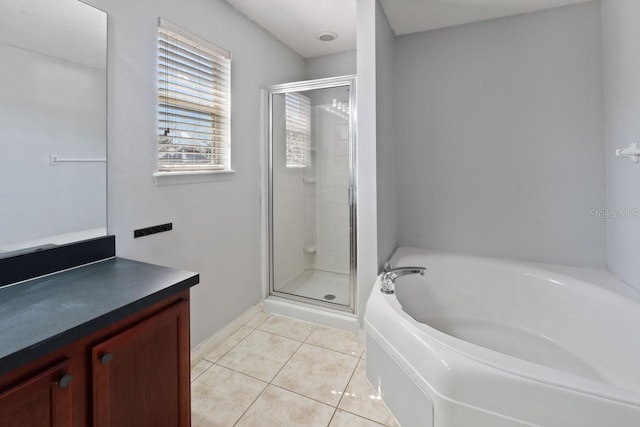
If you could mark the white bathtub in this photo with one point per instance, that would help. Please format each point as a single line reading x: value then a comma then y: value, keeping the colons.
x: 484, y: 342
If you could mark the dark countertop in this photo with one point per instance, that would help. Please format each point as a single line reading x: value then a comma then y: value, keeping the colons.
x: 44, y: 314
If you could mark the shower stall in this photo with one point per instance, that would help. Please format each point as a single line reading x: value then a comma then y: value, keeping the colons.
x: 311, y: 192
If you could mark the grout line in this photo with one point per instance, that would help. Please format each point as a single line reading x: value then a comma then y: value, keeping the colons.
x: 281, y: 336
x: 200, y: 374
x: 243, y: 374
x: 288, y: 337
x: 261, y: 322
x: 331, y: 349
x: 232, y: 347
x: 270, y: 382
x: 285, y: 363
x: 276, y: 374
x: 335, y: 410
x: 306, y: 341
x: 365, y: 417
x: 302, y: 395
x: 249, y: 407
x: 355, y: 368
x: 266, y: 385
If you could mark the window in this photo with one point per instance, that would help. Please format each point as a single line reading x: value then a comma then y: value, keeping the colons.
x: 298, y: 130
x: 193, y: 103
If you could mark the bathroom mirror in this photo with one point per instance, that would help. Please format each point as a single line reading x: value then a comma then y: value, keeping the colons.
x: 53, y: 103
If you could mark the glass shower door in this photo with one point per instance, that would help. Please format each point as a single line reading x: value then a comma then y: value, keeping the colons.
x: 311, y: 192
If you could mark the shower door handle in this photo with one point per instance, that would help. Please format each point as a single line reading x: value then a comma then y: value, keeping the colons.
x: 350, y: 196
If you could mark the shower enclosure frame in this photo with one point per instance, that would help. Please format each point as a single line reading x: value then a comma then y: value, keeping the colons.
x: 348, y: 81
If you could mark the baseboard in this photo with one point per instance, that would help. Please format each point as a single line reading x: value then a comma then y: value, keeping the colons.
x: 224, y: 333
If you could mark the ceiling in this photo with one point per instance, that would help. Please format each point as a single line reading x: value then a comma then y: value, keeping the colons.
x: 412, y: 16
x: 297, y: 22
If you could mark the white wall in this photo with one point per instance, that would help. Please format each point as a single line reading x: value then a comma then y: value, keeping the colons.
x: 386, y: 141
x: 216, y: 224
x: 337, y: 64
x: 620, y: 34
x: 500, y: 137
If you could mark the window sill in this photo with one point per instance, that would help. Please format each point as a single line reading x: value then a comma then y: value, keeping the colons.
x: 179, y: 178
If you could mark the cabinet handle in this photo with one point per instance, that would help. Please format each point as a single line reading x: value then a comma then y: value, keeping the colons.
x: 65, y: 380
x: 106, y: 358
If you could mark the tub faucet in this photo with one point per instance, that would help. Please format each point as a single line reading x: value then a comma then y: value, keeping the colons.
x: 390, y: 275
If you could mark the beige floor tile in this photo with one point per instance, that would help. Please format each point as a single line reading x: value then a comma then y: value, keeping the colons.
x: 290, y: 328
x: 345, y: 419
x: 337, y: 340
x: 317, y: 373
x: 198, y: 367
x: 257, y: 319
x: 214, y: 353
x: 260, y: 355
x: 220, y: 397
x: 361, y: 399
x: 281, y: 408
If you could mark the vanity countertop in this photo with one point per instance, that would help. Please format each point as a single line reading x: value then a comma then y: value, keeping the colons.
x: 44, y: 314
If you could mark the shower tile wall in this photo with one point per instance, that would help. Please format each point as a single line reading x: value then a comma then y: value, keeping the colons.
x: 332, y: 163
x: 288, y: 254
x: 309, y: 210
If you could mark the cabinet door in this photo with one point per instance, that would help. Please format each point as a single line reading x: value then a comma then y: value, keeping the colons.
x: 41, y: 401
x: 141, y: 376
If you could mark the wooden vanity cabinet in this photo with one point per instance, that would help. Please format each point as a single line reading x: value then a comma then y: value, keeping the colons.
x: 134, y: 372
x: 137, y: 375
x: 42, y: 400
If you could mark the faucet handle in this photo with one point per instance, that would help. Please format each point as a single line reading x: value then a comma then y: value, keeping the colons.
x: 386, y: 267
x: 388, y: 278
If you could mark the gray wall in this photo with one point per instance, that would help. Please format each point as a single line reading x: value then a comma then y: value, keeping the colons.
x: 500, y: 131
x: 621, y: 33
x: 337, y: 64
x: 217, y: 225
x: 386, y: 141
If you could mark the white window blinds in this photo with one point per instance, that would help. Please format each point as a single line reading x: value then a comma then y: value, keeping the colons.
x: 298, y: 130
x: 193, y: 102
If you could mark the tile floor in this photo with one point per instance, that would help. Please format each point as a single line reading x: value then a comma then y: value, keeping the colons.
x: 276, y: 371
